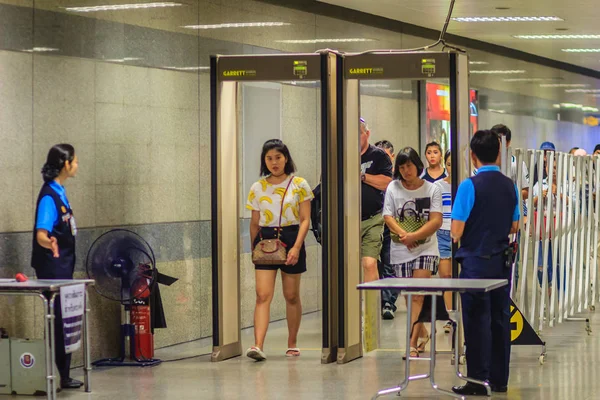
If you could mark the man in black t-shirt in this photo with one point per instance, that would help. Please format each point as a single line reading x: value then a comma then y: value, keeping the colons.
x: 376, y: 174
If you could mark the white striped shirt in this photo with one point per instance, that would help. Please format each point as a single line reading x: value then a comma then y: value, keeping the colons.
x: 446, y: 203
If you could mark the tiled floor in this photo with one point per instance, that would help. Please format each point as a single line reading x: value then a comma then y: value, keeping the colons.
x: 571, y: 371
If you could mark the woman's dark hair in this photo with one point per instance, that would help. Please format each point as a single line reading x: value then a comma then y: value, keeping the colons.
x: 57, y: 157
x: 408, y: 154
x: 486, y: 146
x: 277, y: 145
x: 446, y: 156
x: 597, y: 148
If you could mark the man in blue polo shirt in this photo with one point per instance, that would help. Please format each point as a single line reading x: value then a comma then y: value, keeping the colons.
x: 484, y: 213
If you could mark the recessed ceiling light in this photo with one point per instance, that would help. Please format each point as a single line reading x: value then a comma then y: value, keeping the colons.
x: 119, y: 7
x: 41, y: 50
x: 374, y: 85
x: 563, y: 85
x: 582, y: 91
x: 557, y: 36
x: 499, y: 71
x: 497, y: 111
x: 524, y: 79
x: 581, y: 50
x: 478, y: 63
x: 120, y: 60
x: 237, y: 25
x: 312, y: 41
x: 589, y: 109
x: 506, y: 19
x: 188, y: 68
x: 399, y: 91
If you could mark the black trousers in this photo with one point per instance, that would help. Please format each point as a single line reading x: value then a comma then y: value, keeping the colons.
x: 486, y: 318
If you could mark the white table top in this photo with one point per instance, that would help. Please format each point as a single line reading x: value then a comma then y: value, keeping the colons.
x: 39, y: 285
x: 434, y: 284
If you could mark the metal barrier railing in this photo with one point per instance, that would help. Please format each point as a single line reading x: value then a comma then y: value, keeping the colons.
x: 558, y: 236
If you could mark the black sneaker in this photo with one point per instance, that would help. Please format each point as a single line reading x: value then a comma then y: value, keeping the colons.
x: 387, y: 313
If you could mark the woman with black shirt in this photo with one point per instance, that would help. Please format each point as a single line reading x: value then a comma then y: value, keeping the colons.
x: 436, y: 170
x: 53, y: 255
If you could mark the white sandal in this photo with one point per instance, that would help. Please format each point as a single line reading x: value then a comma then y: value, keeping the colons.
x: 292, y: 352
x: 256, y: 353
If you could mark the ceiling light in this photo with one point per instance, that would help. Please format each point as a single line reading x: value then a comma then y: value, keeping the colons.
x: 582, y: 91
x: 478, y: 63
x: 581, y: 50
x: 563, y: 85
x: 120, y: 60
x: 498, y: 71
x: 41, y: 50
x: 497, y: 111
x: 188, y: 68
x: 506, y: 19
x: 311, y: 41
x: 120, y: 7
x: 399, y: 91
x: 524, y: 79
x: 589, y: 109
x: 557, y: 36
x: 374, y: 85
x: 237, y: 25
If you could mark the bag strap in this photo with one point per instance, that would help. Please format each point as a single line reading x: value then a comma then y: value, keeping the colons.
x: 404, y: 207
x: 282, y: 201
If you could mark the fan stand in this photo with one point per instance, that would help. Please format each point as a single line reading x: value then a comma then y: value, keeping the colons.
x: 127, y: 332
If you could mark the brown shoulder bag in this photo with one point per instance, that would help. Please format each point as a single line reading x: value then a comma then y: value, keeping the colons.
x: 272, y: 251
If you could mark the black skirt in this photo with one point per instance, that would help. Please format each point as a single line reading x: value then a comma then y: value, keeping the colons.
x: 289, y: 234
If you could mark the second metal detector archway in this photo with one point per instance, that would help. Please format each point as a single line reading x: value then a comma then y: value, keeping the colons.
x: 452, y: 66
x: 226, y: 73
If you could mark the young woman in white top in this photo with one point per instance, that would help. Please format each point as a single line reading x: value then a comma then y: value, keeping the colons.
x: 265, y: 200
x: 416, y: 253
x: 443, y: 234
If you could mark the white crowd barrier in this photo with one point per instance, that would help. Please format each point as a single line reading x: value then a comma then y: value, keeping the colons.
x: 559, y: 235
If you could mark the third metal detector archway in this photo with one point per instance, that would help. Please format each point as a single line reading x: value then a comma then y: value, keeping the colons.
x: 452, y: 66
x: 226, y: 73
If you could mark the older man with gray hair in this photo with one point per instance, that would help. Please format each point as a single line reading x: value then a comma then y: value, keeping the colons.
x: 376, y: 174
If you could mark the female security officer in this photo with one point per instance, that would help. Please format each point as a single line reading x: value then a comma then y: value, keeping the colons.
x: 53, y: 255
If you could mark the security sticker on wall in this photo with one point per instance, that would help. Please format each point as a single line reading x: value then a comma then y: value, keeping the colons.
x: 27, y: 360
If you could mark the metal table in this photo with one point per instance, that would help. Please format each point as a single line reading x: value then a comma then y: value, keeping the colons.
x: 47, y: 291
x: 431, y: 287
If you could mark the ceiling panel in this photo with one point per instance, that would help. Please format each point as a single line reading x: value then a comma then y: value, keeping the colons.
x: 580, y: 17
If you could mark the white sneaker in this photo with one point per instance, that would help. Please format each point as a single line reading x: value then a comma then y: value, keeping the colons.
x: 256, y: 353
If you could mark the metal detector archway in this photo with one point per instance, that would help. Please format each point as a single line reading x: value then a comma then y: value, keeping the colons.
x: 226, y: 73
x: 452, y: 66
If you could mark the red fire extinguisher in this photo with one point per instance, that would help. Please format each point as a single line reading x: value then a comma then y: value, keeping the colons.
x: 143, y: 343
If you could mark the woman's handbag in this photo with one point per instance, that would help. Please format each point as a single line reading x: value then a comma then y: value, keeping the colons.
x: 410, y: 221
x: 272, y: 251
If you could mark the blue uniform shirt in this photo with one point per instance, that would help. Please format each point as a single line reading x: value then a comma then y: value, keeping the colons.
x: 465, y: 197
x: 47, y: 216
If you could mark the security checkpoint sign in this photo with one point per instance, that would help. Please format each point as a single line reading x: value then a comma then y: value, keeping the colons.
x: 72, y: 302
x: 521, y: 332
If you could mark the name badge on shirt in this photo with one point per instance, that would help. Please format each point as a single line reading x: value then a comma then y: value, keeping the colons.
x: 70, y: 219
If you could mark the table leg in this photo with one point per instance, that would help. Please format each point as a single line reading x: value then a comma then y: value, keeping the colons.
x: 433, y: 343
x: 51, y: 342
x: 47, y: 341
x: 403, y: 385
x: 87, y: 366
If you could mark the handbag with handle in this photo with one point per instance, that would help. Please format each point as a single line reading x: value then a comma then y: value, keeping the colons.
x: 410, y: 221
x: 272, y: 251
